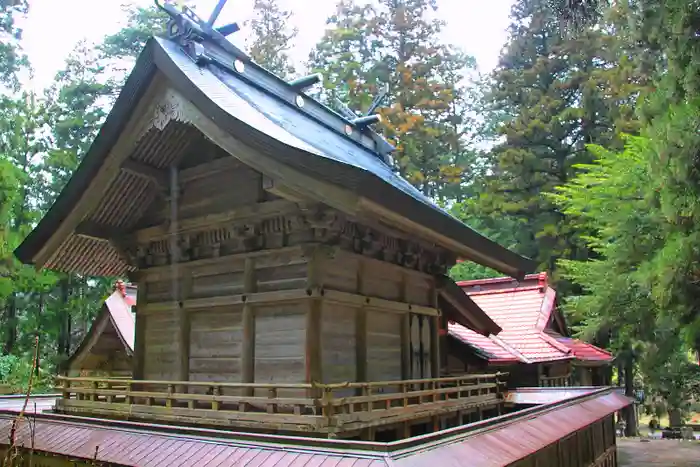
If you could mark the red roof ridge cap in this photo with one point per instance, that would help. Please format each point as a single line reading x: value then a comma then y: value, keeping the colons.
x: 510, y: 349
x: 503, y: 291
x: 555, y: 343
x: 540, y: 277
x: 600, y: 349
x: 549, y: 303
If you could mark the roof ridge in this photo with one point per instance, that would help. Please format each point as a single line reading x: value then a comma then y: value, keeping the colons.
x: 503, y: 291
x: 546, y: 308
x: 554, y: 343
x: 510, y: 349
x: 541, y: 276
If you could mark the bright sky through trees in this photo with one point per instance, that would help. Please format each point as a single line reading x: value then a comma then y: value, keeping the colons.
x: 53, y: 28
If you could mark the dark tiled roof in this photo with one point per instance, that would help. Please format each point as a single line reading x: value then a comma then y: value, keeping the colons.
x: 259, y: 110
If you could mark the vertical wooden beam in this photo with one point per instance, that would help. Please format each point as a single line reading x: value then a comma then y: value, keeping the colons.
x: 361, y: 344
x: 406, y: 349
x: 184, y: 318
x: 435, y: 346
x: 361, y: 329
x: 313, y: 342
x: 405, y: 333
x: 140, y: 335
x: 184, y: 342
x: 248, y: 346
x: 435, y: 360
x: 313, y: 321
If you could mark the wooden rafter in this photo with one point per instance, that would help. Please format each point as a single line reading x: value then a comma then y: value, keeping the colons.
x: 152, y: 174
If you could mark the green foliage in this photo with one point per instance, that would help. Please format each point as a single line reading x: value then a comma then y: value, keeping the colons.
x: 554, y: 93
x: 142, y: 24
x: 11, y: 57
x: 272, y: 37
x: 15, y: 373
x: 42, y: 141
x: 389, y: 44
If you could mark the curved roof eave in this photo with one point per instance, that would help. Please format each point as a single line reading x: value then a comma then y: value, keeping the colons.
x: 162, y: 55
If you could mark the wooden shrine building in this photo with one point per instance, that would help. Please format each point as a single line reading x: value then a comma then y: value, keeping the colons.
x: 289, y: 281
x: 534, y: 346
x: 282, y: 265
x: 107, y: 349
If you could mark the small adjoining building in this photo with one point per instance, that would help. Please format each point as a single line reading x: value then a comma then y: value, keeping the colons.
x: 534, y: 346
x: 108, y: 347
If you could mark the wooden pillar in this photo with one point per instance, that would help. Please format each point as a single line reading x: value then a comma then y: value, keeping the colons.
x: 435, y: 361
x: 406, y: 372
x: 406, y: 349
x: 184, y: 320
x: 361, y: 331
x: 435, y: 346
x: 184, y: 345
x: 313, y: 321
x: 139, y: 339
x: 361, y: 344
x: 313, y: 342
x: 248, y: 324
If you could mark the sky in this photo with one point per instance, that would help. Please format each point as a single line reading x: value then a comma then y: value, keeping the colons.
x: 54, y: 27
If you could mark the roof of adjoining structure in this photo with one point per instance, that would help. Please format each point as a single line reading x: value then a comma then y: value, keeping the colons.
x: 527, y: 314
x: 263, y: 114
x: 116, y: 312
x: 481, y: 443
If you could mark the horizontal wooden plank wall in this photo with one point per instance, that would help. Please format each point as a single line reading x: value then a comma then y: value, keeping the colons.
x: 261, y: 298
x: 161, y: 350
x: 216, y: 337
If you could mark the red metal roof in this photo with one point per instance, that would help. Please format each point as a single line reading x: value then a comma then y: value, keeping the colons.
x: 524, y: 310
x: 492, y: 442
x: 520, y: 437
x: 148, y: 449
x: 582, y: 350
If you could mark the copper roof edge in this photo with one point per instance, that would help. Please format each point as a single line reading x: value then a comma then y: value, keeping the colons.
x: 375, y: 449
x: 540, y: 276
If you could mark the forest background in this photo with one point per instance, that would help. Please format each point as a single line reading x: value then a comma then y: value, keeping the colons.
x: 580, y: 150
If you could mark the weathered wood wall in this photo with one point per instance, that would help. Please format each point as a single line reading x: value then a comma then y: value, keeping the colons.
x: 107, y: 357
x: 274, y: 291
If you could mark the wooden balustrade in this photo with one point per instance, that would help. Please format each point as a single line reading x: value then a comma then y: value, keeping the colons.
x: 321, y: 408
x: 607, y: 459
x: 555, y: 381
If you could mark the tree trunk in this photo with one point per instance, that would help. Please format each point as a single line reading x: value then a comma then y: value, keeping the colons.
x: 10, y: 324
x: 630, y: 411
x: 674, y: 418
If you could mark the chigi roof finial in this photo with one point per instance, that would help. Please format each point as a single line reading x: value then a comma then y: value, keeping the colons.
x: 187, y: 28
x: 369, y: 118
x: 207, y: 45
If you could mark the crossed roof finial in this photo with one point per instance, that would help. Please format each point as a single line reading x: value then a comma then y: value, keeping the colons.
x: 184, y: 24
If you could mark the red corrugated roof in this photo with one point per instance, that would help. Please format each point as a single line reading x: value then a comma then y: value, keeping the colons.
x: 520, y: 437
x: 492, y: 442
x: 483, y: 343
x: 582, y: 350
x: 151, y: 449
x: 524, y: 311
